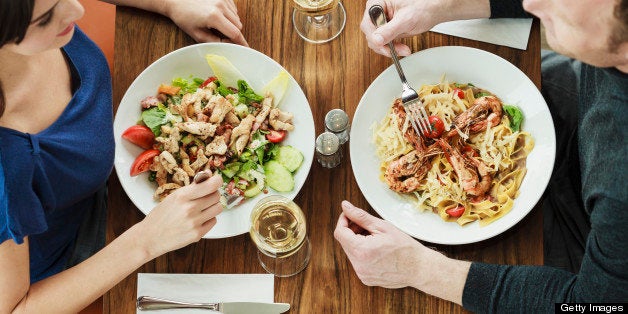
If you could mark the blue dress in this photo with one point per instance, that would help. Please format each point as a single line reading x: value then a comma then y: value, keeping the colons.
x: 50, y: 177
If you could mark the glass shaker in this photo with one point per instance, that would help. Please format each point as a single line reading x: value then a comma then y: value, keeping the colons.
x: 337, y: 122
x: 328, y: 152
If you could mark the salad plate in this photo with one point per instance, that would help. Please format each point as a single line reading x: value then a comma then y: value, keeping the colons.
x: 189, y: 62
x: 462, y: 65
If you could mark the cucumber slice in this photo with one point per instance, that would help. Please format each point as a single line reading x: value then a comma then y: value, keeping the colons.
x: 278, y: 177
x: 289, y: 157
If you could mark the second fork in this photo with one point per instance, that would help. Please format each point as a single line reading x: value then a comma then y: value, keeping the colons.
x: 411, y: 102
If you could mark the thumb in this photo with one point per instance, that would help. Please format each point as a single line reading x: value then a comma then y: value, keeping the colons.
x: 360, y: 217
x: 387, y: 33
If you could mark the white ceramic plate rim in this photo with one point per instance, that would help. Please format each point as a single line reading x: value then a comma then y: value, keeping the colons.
x: 463, y: 65
x: 258, y: 69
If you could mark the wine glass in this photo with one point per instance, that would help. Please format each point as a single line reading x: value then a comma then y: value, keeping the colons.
x: 318, y: 21
x: 278, y: 230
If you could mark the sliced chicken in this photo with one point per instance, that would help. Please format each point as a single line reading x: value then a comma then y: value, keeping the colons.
x: 280, y: 120
x: 170, y: 138
x: 263, y: 114
x: 217, y: 147
x: 168, y: 161
x: 200, y: 161
x: 164, y: 190
x: 220, y: 110
x: 202, y: 129
x: 241, y: 134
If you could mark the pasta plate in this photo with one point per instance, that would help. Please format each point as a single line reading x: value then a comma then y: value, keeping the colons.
x: 462, y: 65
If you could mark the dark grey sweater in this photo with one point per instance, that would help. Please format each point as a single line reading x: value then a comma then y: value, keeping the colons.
x: 602, y: 147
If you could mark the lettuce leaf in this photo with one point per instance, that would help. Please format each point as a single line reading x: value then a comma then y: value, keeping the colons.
x: 224, y: 70
x: 515, y: 116
x: 277, y: 87
x: 247, y: 94
x: 186, y: 86
x: 154, y: 118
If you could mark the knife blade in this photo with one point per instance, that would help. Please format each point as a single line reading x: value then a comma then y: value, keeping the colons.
x: 147, y: 303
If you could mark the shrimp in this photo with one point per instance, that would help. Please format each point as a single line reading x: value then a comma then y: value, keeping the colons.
x: 405, y: 174
x: 473, y: 175
x: 409, y: 134
x: 485, y: 112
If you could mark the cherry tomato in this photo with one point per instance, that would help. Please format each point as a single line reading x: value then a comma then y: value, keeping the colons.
x: 455, y: 211
x: 437, y: 126
x: 459, y: 92
x: 276, y: 136
x: 143, y: 161
x: 207, y: 81
x: 139, y: 135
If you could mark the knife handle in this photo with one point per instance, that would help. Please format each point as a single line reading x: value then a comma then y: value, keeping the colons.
x: 146, y: 303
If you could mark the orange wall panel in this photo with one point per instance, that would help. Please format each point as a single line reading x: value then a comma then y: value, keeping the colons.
x: 99, y: 24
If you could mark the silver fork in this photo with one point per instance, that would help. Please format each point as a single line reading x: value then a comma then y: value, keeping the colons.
x: 411, y: 102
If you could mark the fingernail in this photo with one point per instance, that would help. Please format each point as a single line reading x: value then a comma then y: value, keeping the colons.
x: 378, y: 39
x: 201, y: 176
x: 346, y: 205
x: 405, y: 51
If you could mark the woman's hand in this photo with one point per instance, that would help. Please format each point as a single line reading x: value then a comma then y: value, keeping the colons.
x: 207, y: 20
x: 411, y: 17
x: 182, y: 217
x: 381, y: 254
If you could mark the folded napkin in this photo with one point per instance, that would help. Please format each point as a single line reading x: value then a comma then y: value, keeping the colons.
x: 506, y: 32
x: 205, y: 288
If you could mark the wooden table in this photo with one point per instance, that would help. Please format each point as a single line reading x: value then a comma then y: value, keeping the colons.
x: 332, y: 75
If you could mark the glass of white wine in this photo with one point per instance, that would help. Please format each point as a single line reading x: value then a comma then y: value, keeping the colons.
x: 278, y: 230
x: 318, y: 21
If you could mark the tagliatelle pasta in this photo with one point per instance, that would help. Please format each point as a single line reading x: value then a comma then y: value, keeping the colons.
x: 471, y: 170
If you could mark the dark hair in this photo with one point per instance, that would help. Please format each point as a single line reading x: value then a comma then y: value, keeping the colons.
x: 620, y: 32
x: 15, y: 17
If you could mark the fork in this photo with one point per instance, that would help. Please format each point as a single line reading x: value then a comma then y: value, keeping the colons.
x: 411, y: 102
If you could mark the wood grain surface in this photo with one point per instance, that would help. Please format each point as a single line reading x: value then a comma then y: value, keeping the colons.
x: 332, y: 75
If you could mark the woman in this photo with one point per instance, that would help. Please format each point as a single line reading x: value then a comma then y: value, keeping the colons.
x: 56, y: 153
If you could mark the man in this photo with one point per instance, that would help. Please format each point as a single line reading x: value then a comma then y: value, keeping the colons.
x: 585, y: 208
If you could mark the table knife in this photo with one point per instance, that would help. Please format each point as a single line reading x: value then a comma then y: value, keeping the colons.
x: 146, y: 303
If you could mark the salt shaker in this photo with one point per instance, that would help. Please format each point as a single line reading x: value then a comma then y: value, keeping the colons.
x: 337, y: 122
x: 328, y: 152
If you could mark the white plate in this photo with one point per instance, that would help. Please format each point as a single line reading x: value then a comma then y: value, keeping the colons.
x: 258, y: 69
x: 462, y: 65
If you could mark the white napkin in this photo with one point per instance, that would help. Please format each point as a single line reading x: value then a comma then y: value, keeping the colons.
x: 506, y: 32
x: 204, y: 288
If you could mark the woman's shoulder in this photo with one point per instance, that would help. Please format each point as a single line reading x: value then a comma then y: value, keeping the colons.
x: 85, y: 55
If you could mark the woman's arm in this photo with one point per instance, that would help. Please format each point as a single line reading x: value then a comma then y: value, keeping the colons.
x: 204, y: 20
x: 182, y: 218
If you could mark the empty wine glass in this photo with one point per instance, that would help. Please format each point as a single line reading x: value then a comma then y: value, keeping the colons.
x: 318, y: 21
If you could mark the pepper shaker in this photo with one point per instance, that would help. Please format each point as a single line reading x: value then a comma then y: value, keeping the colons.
x: 328, y: 152
x: 337, y: 122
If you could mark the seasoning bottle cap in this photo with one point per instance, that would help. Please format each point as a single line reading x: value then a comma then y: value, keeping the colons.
x: 336, y: 120
x: 327, y: 143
